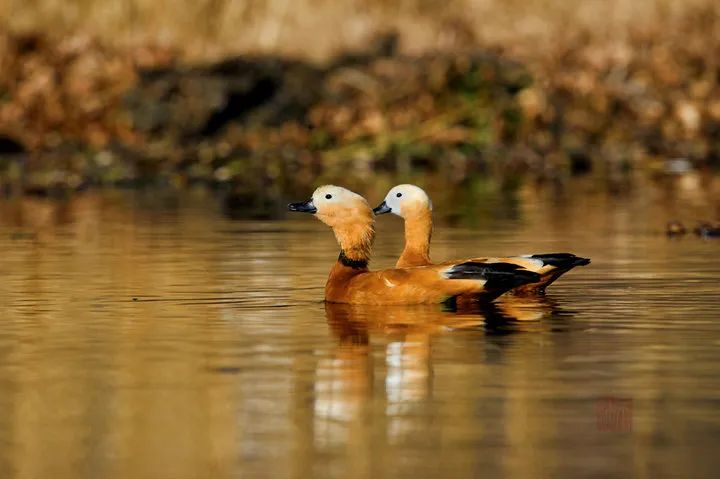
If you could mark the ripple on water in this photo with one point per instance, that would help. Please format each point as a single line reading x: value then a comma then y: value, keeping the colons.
x: 146, y: 343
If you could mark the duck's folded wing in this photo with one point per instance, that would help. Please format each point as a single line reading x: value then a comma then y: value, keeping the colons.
x: 434, y: 284
x: 550, y: 266
x: 497, y: 275
x: 541, y: 263
x: 560, y: 260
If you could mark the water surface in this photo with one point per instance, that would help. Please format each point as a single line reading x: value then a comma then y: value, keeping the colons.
x: 152, y: 337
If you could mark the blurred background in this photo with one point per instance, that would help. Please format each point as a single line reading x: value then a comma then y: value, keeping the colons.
x: 266, y: 99
x: 161, y: 313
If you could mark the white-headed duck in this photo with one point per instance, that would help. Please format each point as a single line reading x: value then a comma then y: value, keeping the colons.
x: 350, y: 280
x: 413, y: 205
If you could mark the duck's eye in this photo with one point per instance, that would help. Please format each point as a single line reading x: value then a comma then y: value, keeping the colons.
x: 328, y: 196
x: 399, y: 195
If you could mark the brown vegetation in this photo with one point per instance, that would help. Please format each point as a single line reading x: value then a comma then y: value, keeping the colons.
x: 472, y: 85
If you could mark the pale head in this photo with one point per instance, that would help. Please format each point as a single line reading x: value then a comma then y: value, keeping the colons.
x: 405, y: 200
x: 347, y: 213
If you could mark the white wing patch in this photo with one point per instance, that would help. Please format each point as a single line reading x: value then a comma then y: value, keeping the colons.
x: 389, y: 283
x: 445, y: 274
x: 537, y: 262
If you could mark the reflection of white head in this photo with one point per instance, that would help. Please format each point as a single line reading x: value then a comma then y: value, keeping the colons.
x: 401, y: 197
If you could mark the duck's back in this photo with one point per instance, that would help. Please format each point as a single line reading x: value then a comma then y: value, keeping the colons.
x: 426, y: 284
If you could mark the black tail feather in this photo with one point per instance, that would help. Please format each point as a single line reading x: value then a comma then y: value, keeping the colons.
x: 498, y: 276
x: 562, y: 260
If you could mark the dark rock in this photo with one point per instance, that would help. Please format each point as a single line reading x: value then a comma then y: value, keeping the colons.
x: 11, y: 146
x: 187, y: 104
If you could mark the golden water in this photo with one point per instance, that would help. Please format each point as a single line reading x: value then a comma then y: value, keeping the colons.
x: 146, y: 337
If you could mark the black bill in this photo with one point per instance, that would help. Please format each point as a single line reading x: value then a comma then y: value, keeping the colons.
x: 381, y: 209
x: 303, y: 207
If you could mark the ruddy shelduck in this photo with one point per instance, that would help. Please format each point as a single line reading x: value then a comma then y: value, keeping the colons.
x: 350, y: 280
x: 412, y: 204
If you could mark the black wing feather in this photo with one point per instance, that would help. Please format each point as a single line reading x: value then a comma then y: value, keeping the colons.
x: 561, y: 260
x: 496, y: 275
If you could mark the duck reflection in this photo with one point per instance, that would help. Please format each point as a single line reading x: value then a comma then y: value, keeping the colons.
x: 392, y: 347
x: 526, y: 312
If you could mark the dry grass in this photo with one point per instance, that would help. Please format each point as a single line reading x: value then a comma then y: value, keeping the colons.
x: 316, y: 29
x: 624, y: 82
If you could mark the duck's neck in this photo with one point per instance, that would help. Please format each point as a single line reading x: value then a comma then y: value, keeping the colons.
x: 418, y: 230
x: 355, y: 240
x: 342, y: 271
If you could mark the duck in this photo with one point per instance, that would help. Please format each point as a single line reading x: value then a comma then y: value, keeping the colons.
x: 350, y: 280
x: 707, y: 230
x: 675, y: 228
x: 411, y: 203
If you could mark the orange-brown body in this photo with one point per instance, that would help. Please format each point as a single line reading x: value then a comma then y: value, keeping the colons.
x: 418, y: 232
x: 350, y: 280
x: 401, y: 286
x: 413, y: 205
